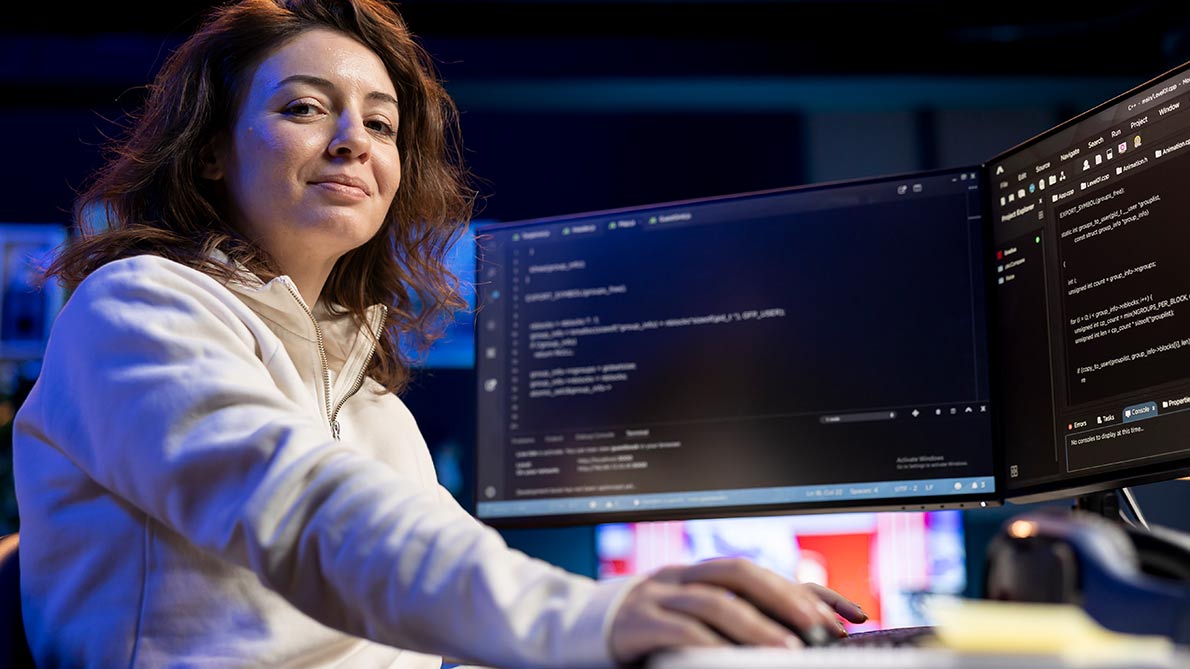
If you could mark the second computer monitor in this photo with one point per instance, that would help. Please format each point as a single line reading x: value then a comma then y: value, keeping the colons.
x: 1093, y: 296
x: 806, y: 349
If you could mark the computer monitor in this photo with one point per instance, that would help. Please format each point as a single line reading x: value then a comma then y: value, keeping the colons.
x: 888, y: 563
x: 27, y: 306
x: 808, y: 349
x: 1093, y: 296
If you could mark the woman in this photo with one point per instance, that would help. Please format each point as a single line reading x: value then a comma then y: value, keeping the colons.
x: 214, y: 470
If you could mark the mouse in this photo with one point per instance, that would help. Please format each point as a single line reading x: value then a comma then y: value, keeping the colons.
x: 816, y: 635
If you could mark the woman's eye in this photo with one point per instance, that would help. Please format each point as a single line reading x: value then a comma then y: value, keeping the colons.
x: 301, y: 109
x: 381, y: 127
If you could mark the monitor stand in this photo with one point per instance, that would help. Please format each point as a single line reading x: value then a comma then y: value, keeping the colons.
x: 1112, y: 504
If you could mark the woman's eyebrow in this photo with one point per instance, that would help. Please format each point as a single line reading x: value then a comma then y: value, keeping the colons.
x: 319, y: 82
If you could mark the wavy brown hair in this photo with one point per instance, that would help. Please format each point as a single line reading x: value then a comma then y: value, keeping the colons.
x: 150, y: 198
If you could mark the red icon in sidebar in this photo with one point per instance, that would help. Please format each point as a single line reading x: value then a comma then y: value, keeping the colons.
x: 999, y: 255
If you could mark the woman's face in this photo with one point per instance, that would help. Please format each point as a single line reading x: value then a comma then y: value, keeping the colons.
x: 311, y: 166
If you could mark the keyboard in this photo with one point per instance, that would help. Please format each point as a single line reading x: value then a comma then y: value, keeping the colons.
x: 891, y: 637
x: 819, y: 657
x: 890, y: 648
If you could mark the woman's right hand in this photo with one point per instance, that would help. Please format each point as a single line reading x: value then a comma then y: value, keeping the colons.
x: 725, y: 601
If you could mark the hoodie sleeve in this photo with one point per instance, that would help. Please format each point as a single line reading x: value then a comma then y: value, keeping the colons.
x: 172, y: 409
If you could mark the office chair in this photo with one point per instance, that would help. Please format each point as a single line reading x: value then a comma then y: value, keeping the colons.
x: 14, y: 648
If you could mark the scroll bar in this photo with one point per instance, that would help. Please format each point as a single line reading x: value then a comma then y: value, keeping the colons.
x: 862, y: 417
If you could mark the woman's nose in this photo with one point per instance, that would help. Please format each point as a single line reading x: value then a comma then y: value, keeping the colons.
x: 351, y: 138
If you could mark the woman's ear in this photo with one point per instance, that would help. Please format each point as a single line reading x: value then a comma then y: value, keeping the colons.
x: 210, y: 162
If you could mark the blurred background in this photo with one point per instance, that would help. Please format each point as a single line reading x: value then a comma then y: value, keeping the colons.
x: 576, y: 106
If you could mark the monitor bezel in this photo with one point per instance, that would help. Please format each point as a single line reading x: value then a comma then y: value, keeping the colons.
x: 696, y: 513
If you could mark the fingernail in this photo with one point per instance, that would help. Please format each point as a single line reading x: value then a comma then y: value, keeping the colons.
x: 792, y: 641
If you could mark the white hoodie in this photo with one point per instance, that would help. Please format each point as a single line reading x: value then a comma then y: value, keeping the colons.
x: 184, y: 503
